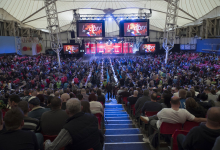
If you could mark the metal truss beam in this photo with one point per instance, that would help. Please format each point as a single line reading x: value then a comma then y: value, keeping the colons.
x: 11, y: 28
x: 53, y: 27
x: 170, y: 25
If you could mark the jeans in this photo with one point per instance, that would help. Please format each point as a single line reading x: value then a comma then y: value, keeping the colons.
x: 180, y: 139
x: 109, y: 94
x: 40, y: 140
x: 152, y: 124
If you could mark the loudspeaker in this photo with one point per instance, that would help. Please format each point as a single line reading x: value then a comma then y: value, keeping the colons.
x: 145, y: 41
x: 72, y: 34
x: 72, y: 41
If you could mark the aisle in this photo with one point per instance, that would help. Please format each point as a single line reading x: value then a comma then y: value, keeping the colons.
x: 120, y: 131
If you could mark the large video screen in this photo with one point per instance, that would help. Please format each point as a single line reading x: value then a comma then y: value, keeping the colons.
x: 90, y: 28
x: 71, y: 49
x: 131, y: 28
x: 148, y: 48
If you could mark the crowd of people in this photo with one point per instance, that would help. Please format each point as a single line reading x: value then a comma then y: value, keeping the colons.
x: 38, y: 98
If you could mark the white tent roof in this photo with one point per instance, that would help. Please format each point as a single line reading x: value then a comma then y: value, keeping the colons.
x: 32, y: 12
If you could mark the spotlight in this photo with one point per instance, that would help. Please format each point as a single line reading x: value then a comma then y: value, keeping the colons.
x: 110, y: 18
x: 121, y: 18
x: 98, y: 18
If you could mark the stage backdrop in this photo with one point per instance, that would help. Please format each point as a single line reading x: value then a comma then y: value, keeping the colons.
x: 208, y: 45
x: 7, y: 44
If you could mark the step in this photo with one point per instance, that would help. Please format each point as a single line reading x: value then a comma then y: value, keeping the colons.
x: 122, y: 131
x: 127, y: 146
x: 119, y: 126
x: 113, y: 106
x: 119, y: 121
x: 117, y: 118
x: 114, y: 109
x: 124, y: 138
x: 116, y: 115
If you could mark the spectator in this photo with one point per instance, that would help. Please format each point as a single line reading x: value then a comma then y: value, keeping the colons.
x: 205, y: 103
x: 101, y: 97
x: 194, y: 108
x: 52, y: 121
x: 85, y: 107
x: 85, y: 96
x: 31, y: 124
x: 182, y: 95
x: 80, y: 97
x: 188, y: 94
x: 152, y: 105
x: 203, y: 136
x: 36, y: 109
x: 166, y: 100
x: 217, y: 102
x: 217, y: 144
x: 169, y: 115
x: 84, y: 124
x: 95, y: 106
x: 211, y: 94
x: 57, y: 94
x: 14, y: 137
x: 26, y: 96
x: 176, y: 91
x: 49, y: 101
x: 72, y: 95
x: 41, y: 98
x: 140, y: 103
x: 64, y: 97
x: 133, y: 99
x: 13, y: 100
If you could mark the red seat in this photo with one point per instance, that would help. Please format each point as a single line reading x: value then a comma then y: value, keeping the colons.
x: 174, y: 144
x: 133, y: 109
x: 99, y: 117
x: 188, y: 125
x: 150, y: 113
x: 168, y: 128
x: 125, y: 100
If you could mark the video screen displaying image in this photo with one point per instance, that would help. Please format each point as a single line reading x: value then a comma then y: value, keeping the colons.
x: 71, y: 49
x: 136, y: 29
x: 90, y: 29
x: 148, y: 48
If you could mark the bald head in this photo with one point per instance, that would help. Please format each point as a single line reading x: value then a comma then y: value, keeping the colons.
x: 213, y: 116
x: 175, y: 100
x: 73, y: 106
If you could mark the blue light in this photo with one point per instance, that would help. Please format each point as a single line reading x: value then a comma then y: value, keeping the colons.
x: 110, y: 18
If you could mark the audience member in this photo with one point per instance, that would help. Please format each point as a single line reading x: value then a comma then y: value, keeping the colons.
x: 182, y: 95
x: 13, y: 100
x: 85, y: 96
x: 133, y: 98
x: 203, y: 136
x: 95, y: 106
x: 85, y: 107
x: 140, y: 103
x: 64, y: 97
x: 52, y: 121
x: 194, y: 108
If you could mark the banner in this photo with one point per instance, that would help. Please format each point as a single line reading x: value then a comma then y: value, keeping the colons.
x: 100, y: 48
x: 31, y: 46
x: 93, y: 48
x: 117, y: 48
x: 125, y: 48
x: 87, y: 48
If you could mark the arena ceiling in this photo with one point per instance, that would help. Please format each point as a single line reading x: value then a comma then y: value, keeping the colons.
x: 32, y: 12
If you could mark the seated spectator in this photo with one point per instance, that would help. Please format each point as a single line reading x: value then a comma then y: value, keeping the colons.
x: 177, y: 91
x: 26, y: 96
x: 211, y: 94
x: 85, y: 96
x: 132, y: 99
x: 140, y: 103
x: 31, y: 124
x: 152, y: 105
x: 57, y: 94
x: 166, y: 100
x: 49, y: 101
x: 217, y: 102
x: 72, y: 95
x: 101, y: 97
x: 13, y: 100
x: 203, y: 136
x: 36, y: 109
x: 41, y: 98
x: 182, y: 96
x: 169, y: 115
x: 204, y: 102
x: 194, y: 96
x: 217, y: 144
x: 95, y: 106
x: 80, y: 131
x: 52, y: 121
x: 64, y: 97
x: 194, y: 108
x: 80, y: 97
x: 14, y: 137
x: 188, y: 94
x: 85, y: 107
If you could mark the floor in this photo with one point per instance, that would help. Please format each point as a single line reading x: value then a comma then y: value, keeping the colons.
x: 121, y: 133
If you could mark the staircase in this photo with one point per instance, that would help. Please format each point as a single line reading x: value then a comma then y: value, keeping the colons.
x: 121, y: 133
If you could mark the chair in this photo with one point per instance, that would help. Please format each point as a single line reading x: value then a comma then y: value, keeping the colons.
x: 174, y: 145
x: 125, y: 100
x: 99, y: 117
x: 188, y: 125
x: 150, y: 113
x: 168, y: 128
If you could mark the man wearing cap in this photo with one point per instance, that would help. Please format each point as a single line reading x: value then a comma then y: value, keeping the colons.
x: 36, y: 109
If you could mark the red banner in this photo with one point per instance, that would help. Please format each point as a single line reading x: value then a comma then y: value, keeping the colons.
x: 130, y: 48
x: 87, y: 48
x: 109, y: 48
x: 117, y: 48
x: 93, y: 48
x: 100, y: 48
x: 125, y: 48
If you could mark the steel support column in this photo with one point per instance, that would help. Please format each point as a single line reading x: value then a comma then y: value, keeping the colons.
x: 170, y: 25
x: 53, y: 27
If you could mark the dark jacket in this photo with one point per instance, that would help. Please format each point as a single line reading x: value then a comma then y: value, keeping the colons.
x: 108, y: 87
x: 84, y: 131
x: 201, y: 138
x: 198, y: 112
x: 139, y: 104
